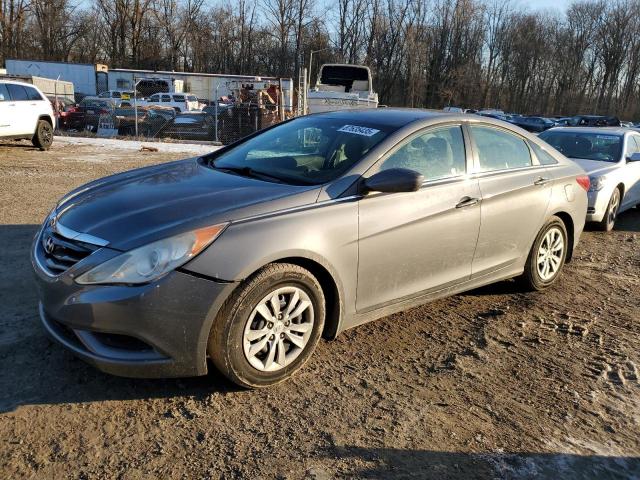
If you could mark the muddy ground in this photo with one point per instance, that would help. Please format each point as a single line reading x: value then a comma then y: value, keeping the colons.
x: 496, y: 383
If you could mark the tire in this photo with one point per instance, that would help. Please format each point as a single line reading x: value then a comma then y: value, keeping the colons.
x: 43, y: 138
x: 609, y: 219
x: 238, y: 328
x: 534, y: 277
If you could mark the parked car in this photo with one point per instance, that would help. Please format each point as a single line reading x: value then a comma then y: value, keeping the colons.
x: 86, y: 115
x: 250, y: 254
x: 117, y: 97
x: 594, y: 121
x: 611, y: 157
x: 25, y: 113
x: 189, y: 126
x: 150, y: 119
x: 533, y: 124
x: 181, y: 102
x: 61, y: 107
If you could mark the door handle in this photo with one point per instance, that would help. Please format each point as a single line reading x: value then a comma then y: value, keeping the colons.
x: 541, y: 181
x: 467, y: 202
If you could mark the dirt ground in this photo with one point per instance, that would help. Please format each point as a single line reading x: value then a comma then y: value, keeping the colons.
x: 496, y: 383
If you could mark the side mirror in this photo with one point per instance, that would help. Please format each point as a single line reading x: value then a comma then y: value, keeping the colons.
x: 635, y: 157
x: 394, y: 180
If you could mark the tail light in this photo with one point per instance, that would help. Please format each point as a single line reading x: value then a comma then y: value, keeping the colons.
x: 584, y: 182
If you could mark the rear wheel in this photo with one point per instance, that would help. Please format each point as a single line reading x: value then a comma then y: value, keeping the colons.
x: 547, y: 256
x: 269, y: 327
x: 43, y: 138
x: 609, y: 219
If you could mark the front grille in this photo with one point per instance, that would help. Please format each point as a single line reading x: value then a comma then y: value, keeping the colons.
x: 60, y: 253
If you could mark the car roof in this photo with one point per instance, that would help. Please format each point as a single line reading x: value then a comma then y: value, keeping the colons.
x: 391, y: 117
x: 17, y: 82
x: 602, y: 130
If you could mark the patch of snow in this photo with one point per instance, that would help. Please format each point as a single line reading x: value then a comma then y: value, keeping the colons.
x: 112, y: 143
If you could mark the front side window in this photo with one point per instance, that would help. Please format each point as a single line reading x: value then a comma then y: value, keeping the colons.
x: 17, y: 92
x: 604, y: 147
x: 166, y: 98
x: 436, y: 153
x: 4, y: 93
x: 306, y: 150
x: 632, y: 146
x: 499, y: 150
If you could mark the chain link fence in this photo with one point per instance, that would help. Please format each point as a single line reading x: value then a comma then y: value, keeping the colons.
x: 175, y: 116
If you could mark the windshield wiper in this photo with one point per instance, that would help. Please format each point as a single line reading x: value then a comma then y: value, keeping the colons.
x: 248, y: 172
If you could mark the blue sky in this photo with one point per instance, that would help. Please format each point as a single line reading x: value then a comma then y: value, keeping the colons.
x: 560, y: 5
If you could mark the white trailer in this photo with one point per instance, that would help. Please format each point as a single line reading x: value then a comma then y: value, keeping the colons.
x: 87, y: 79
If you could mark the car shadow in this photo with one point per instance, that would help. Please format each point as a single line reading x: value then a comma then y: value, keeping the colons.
x: 398, y: 463
x: 18, y: 144
x: 628, y: 221
x: 37, y: 370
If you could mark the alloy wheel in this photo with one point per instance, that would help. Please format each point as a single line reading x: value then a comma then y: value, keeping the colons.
x: 614, y: 204
x: 550, y: 253
x: 278, y: 329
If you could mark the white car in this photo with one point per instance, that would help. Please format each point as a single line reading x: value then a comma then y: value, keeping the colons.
x: 117, y: 97
x: 611, y: 157
x: 181, y: 102
x: 25, y: 113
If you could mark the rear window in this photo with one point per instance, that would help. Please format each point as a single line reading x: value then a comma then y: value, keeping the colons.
x: 17, y: 92
x: 605, y: 147
x: 33, y: 94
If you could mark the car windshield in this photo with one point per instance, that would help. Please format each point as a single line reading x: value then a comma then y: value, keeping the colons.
x: 305, y: 151
x: 586, y: 145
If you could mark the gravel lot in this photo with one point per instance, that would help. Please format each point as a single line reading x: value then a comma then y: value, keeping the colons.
x: 495, y: 383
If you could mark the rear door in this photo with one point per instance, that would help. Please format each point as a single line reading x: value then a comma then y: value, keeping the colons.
x: 6, y: 119
x: 515, y: 196
x: 23, y: 121
x: 416, y: 242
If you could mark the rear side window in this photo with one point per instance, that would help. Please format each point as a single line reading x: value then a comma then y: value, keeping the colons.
x: 632, y: 146
x: 499, y: 150
x: 178, y: 98
x: 154, y: 98
x: 544, y: 157
x: 436, y: 153
x: 33, y: 93
x: 166, y: 98
x: 4, y: 92
x: 17, y: 92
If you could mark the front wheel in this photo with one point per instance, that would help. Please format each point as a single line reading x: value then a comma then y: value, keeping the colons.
x: 269, y: 327
x: 609, y: 219
x: 43, y: 138
x: 547, y: 256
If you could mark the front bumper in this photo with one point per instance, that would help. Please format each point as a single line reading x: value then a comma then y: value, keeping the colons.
x: 156, y: 330
x: 598, y: 203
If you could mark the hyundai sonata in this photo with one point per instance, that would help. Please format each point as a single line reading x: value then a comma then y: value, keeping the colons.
x: 249, y: 255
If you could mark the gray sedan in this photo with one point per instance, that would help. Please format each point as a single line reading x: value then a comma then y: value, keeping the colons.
x: 249, y: 255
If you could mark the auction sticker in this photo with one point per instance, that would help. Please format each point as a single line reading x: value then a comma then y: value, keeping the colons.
x: 356, y: 130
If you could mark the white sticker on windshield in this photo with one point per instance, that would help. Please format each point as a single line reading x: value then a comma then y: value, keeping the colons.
x: 607, y: 137
x: 356, y: 130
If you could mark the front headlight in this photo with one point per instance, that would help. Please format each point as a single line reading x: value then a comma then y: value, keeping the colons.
x: 597, y: 183
x: 147, y: 263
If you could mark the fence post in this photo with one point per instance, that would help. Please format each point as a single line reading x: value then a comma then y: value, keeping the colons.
x: 215, y: 109
x: 135, y: 104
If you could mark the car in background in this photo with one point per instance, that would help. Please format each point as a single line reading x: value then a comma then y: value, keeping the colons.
x: 61, y: 107
x: 220, y: 109
x: 180, y: 102
x: 117, y: 97
x: 533, y: 124
x: 86, y: 114
x: 25, y: 113
x: 611, y: 157
x: 249, y: 255
x: 189, y: 126
x: 594, y: 121
x: 150, y: 119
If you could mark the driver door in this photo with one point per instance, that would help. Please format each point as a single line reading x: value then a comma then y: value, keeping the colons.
x: 416, y: 242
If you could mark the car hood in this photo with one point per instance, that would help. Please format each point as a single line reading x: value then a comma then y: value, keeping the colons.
x: 137, y: 207
x: 595, y: 166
